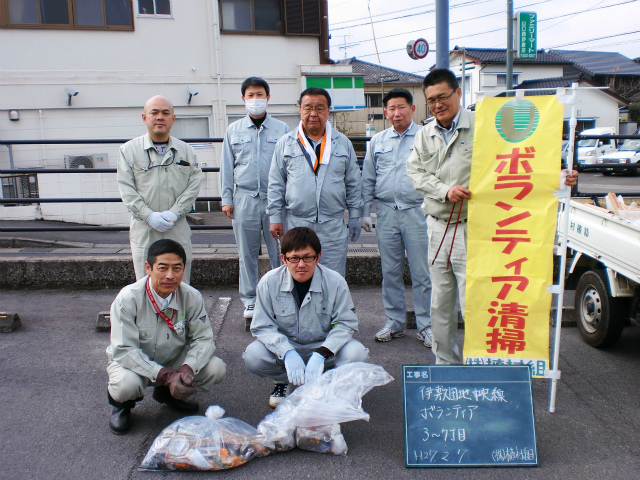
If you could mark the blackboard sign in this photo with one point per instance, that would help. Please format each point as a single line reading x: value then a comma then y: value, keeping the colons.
x: 468, y: 416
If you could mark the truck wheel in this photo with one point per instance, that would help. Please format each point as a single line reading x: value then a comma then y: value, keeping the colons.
x: 600, y: 317
x: 607, y: 173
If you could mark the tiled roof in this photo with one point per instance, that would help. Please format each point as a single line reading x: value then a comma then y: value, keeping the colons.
x: 498, y: 55
x: 372, y: 73
x: 600, y: 63
x: 592, y: 63
x: 559, y: 82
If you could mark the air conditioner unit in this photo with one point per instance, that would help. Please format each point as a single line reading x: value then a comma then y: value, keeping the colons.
x: 95, y: 160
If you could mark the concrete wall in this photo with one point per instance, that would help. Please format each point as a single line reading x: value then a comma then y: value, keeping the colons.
x: 115, y: 72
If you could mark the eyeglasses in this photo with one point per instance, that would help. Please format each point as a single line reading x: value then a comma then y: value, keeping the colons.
x: 305, y: 259
x: 318, y: 109
x: 441, y: 99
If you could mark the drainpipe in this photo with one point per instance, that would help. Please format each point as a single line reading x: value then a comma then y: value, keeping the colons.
x: 214, y: 37
x: 44, y: 152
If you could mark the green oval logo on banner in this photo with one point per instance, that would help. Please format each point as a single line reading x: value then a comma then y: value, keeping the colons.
x: 517, y: 120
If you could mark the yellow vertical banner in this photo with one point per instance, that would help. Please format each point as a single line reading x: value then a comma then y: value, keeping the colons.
x: 512, y: 222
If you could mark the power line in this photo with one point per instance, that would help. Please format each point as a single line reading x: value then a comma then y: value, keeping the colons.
x: 594, y: 39
x: 464, y: 4
x: 486, y: 31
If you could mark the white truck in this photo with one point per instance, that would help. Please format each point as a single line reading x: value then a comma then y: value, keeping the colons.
x: 589, y: 149
x: 603, y: 265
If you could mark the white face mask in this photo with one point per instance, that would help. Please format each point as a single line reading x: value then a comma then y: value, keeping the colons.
x: 256, y: 106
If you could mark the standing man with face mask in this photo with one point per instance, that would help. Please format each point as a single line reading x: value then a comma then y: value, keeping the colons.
x: 314, y: 178
x: 401, y: 223
x: 159, y: 181
x: 244, y: 172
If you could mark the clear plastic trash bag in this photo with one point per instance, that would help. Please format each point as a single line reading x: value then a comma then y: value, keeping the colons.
x: 203, y: 443
x: 324, y: 439
x: 334, y: 398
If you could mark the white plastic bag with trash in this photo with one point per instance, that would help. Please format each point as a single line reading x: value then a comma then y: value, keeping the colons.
x: 334, y: 398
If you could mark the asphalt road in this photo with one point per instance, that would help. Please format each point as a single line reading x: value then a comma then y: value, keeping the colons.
x: 55, y: 413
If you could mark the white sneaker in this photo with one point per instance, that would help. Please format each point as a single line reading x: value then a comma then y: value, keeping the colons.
x: 280, y: 392
x: 385, y: 335
x: 248, y: 311
x: 426, y: 337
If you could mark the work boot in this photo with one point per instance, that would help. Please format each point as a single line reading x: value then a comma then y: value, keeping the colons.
x: 120, y: 420
x: 163, y: 395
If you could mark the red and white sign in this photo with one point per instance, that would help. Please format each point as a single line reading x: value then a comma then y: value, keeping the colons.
x: 418, y: 49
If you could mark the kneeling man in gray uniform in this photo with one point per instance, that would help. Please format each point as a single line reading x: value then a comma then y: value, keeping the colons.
x: 304, y: 318
x: 160, y: 336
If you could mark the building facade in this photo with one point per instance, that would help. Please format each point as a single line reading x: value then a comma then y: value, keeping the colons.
x: 83, y: 70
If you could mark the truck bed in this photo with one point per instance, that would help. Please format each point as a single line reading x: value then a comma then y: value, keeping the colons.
x: 603, y: 235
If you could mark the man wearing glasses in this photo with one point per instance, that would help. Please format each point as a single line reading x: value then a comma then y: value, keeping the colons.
x: 440, y: 169
x: 159, y: 181
x: 313, y: 178
x: 401, y: 224
x: 304, y: 319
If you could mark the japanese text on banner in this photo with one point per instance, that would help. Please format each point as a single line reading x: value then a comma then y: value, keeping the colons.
x: 512, y: 220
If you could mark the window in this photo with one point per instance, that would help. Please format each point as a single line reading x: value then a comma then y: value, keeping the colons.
x: 502, y: 79
x: 288, y: 17
x: 192, y: 127
x: 374, y: 100
x: 154, y: 7
x: 98, y: 14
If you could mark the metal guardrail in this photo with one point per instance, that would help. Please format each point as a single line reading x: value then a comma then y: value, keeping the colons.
x: 11, y: 201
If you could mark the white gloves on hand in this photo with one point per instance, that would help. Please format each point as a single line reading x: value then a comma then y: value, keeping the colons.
x: 157, y: 222
x: 315, y: 367
x: 367, y: 224
x: 295, y: 367
x: 169, y: 216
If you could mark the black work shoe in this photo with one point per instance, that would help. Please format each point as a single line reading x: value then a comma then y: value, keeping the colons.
x: 280, y: 392
x: 163, y: 395
x: 120, y: 420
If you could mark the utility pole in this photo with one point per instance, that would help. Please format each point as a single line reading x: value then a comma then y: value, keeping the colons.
x: 442, y: 33
x: 509, y: 50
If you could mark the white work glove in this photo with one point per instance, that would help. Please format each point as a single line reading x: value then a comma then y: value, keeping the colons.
x: 169, y: 216
x: 158, y: 223
x: 315, y: 367
x: 367, y: 224
x: 354, y: 228
x: 295, y: 366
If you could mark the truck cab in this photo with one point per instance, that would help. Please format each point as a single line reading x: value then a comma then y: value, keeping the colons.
x: 590, y: 149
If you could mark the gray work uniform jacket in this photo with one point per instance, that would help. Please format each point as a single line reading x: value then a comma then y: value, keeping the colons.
x: 141, y: 341
x: 384, y: 173
x: 246, y: 156
x: 435, y: 166
x: 326, y: 317
x: 150, y: 183
x: 294, y: 186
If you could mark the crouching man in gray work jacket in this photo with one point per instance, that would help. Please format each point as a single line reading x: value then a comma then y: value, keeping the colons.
x: 314, y: 177
x: 160, y: 336
x: 304, y: 319
x: 159, y: 181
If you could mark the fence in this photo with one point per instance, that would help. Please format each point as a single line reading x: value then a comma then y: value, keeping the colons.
x: 23, y: 186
